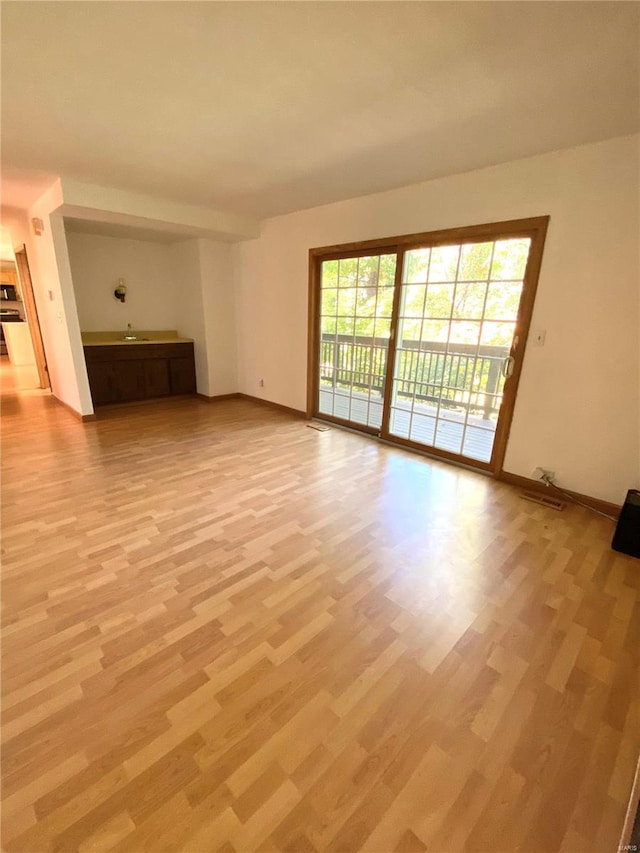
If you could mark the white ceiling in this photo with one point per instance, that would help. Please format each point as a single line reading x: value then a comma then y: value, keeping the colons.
x: 267, y: 107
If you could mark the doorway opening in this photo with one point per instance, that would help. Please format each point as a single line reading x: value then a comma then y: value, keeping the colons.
x: 21, y: 347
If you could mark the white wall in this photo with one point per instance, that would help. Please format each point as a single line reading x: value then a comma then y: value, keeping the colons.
x: 219, y: 312
x: 203, y: 275
x: 578, y: 401
x: 185, y: 266
x: 72, y: 382
x: 97, y: 262
x: 6, y: 244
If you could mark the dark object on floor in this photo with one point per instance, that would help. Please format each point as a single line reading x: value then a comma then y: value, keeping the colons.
x: 626, y: 539
x: 319, y: 427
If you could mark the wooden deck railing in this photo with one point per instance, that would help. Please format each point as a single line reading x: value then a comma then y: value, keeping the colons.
x: 458, y: 375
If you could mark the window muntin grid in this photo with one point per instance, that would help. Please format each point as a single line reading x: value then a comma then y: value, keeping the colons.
x: 456, y: 322
x: 355, y: 324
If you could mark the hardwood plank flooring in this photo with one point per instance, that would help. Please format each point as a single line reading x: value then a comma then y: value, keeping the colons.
x: 225, y: 631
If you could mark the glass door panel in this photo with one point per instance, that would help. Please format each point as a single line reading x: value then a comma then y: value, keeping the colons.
x: 414, y: 339
x: 356, y: 305
x: 455, y: 331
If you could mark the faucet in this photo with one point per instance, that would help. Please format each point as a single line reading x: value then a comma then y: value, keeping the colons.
x: 130, y: 335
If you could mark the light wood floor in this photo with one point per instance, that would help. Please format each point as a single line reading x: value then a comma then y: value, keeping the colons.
x: 226, y: 631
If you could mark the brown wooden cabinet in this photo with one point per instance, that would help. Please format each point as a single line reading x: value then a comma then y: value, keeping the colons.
x: 123, y: 372
x: 183, y: 375
x: 156, y: 377
x: 130, y: 383
x: 102, y: 381
x: 9, y: 276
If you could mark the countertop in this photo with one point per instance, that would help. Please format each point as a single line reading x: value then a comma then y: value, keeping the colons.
x: 100, y: 339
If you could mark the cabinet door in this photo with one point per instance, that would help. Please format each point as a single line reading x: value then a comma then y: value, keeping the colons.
x: 183, y: 375
x: 130, y: 380
x: 9, y: 276
x: 102, y: 382
x: 156, y: 377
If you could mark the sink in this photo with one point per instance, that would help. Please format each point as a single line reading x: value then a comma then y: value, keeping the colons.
x: 130, y: 338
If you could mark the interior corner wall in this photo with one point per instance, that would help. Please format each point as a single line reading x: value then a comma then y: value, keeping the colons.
x: 578, y: 405
x: 190, y: 321
x: 201, y: 270
x: 219, y: 315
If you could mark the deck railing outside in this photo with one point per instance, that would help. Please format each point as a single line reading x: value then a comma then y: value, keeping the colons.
x: 456, y: 375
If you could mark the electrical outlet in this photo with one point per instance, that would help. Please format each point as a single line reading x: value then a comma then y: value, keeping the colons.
x: 539, y: 337
x: 544, y: 474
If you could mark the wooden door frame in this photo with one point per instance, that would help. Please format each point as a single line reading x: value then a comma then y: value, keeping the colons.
x: 534, y: 228
x: 391, y: 349
x: 31, y: 310
x: 313, y: 335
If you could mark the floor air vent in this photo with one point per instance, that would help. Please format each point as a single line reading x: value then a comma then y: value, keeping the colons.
x: 543, y: 500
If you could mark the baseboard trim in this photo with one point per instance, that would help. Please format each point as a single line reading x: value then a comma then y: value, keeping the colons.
x: 238, y: 395
x: 277, y: 406
x: 101, y: 408
x: 536, y: 486
x: 74, y: 412
x: 217, y: 397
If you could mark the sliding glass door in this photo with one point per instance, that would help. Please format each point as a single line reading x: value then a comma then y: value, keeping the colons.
x: 421, y: 341
x: 355, y: 324
x: 456, y: 329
